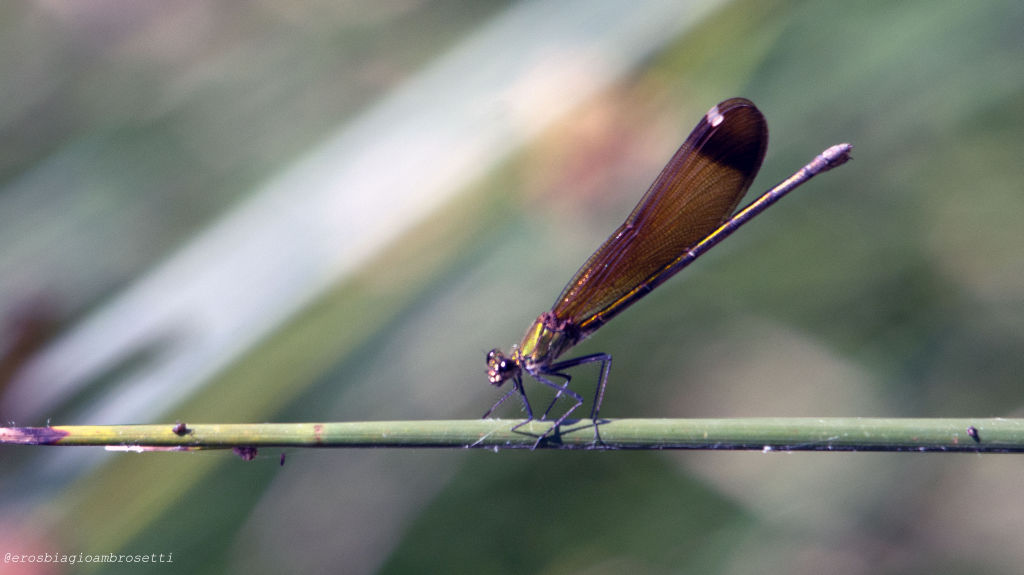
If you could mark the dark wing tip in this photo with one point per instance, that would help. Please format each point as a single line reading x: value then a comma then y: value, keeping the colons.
x: 738, y: 135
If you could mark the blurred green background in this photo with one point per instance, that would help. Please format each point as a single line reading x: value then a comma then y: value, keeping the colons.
x: 228, y: 212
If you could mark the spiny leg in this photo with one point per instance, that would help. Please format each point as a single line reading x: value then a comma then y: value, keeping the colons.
x: 560, y: 389
x: 499, y: 402
x: 517, y: 387
x: 517, y: 384
x: 606, y: 365
x: 563, y: 389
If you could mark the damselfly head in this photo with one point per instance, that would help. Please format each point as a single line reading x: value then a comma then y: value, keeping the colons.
x: 500, y: 367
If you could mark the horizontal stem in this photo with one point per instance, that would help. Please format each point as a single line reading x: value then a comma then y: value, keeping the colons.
x: 991, y: 435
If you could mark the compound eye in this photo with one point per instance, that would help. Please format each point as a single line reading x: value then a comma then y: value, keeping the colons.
x: 499, y: 367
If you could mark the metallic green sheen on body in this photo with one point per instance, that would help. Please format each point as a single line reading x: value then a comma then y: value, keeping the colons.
x: 545, y: 341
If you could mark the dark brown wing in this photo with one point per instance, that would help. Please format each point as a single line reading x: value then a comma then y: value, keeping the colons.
x: 695, y: 193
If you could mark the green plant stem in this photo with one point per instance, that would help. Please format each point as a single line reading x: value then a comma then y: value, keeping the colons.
x: 990, y: 435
